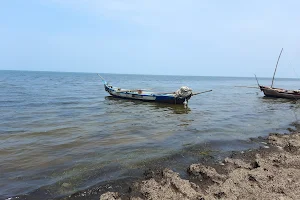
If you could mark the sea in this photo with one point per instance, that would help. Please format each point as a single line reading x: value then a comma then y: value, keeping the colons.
x: 61, y: 134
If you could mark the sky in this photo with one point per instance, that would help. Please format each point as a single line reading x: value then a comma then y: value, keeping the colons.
x: 160, y: 37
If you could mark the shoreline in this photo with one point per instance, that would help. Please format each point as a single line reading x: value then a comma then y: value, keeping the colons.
x: 210, y: 153
x: 217, y: 157
x: 269, y: 172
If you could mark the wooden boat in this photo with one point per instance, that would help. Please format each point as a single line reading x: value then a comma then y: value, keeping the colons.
x: 181, y: 96
x: 278, y: 92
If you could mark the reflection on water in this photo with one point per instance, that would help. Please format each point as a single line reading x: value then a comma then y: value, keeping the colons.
x: 175, y: 108
x: 287, y: 105
x: 279, y: 100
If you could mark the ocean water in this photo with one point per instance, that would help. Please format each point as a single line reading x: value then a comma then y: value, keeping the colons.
x: 61, y: 133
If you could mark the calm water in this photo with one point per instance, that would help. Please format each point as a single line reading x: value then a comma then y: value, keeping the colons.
x: 63, y: 133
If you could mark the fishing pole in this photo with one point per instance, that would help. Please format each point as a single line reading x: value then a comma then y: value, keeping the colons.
x: 103, y: 80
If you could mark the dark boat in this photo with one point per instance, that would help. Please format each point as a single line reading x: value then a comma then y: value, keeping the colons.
x: 278, y: 92
x: 181, y: 96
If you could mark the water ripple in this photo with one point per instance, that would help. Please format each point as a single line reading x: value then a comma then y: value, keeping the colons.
x: 60, y: 128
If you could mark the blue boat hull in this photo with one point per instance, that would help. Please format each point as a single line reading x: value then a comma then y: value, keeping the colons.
x: 138, y: 95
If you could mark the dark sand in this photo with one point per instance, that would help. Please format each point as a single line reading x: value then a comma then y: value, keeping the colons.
x: 272, y: 172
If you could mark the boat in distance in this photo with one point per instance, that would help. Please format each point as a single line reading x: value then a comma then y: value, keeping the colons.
x: 181, y: 96
x: 280, y: 93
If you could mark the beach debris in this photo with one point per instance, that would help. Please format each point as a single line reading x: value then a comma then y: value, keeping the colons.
x: 66, y: 185
x: 171, y: 186
x: 206, y: 172
x: 110, y: 196
x: 238, y: 163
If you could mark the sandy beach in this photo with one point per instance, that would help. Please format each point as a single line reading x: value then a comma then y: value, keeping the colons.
x: 270, y: 172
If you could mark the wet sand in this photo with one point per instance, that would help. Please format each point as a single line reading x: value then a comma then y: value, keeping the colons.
x: 270, y: 172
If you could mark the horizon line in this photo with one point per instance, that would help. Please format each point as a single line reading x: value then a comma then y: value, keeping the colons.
x: 143, y: 74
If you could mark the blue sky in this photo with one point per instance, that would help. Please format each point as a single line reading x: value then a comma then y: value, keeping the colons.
x: 167, y: 37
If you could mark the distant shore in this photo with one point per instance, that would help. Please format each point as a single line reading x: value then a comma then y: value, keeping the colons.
x: 270, y: 172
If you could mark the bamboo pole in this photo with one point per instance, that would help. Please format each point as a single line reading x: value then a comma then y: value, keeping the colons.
x: 103, y: 80
x: 246, y: 86
x: 276, y: 68
x: 202, y: 92
x: 257, y: 80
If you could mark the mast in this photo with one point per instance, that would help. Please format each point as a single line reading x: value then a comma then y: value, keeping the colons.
x: 276, y: 67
